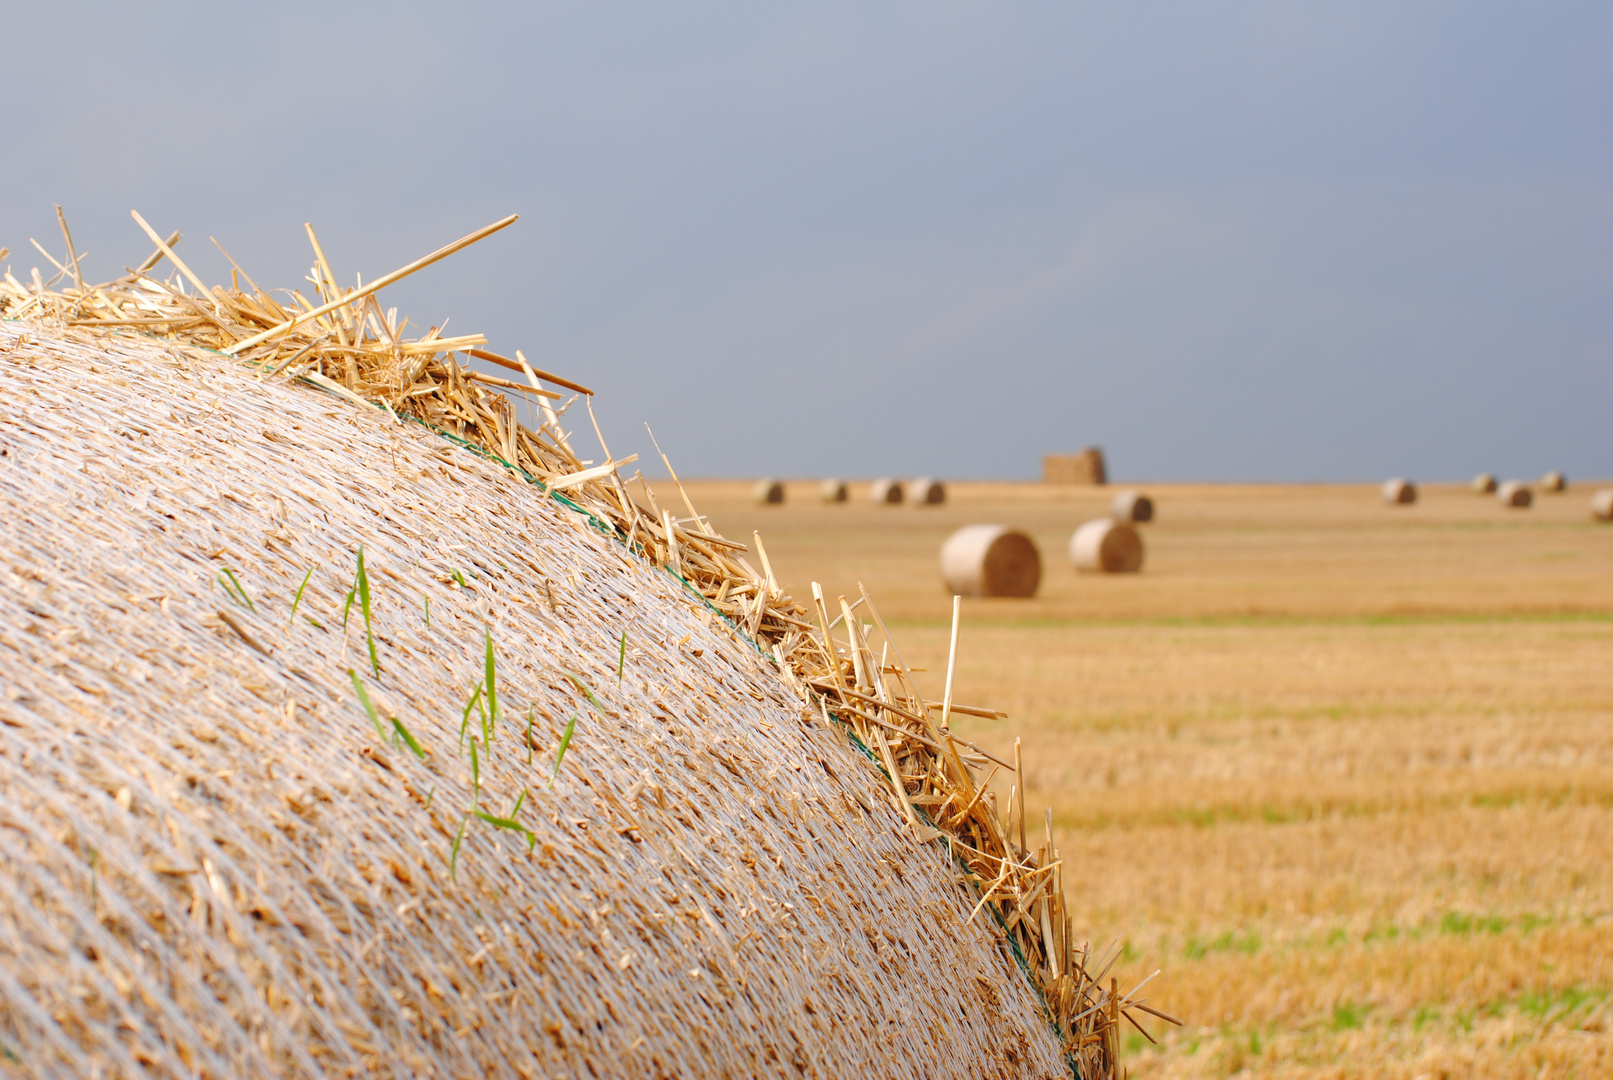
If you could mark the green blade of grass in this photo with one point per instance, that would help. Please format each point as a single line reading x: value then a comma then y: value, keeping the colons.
x: 347, y: 606
x: 408, y: 739
x: 364, y: 699
x: 621, y: 661
x: 475, y: 776
x: 516, y: 809
x: 453, y: 857
x: 560, y: 754
x: 361, y: 582
x: 512, y: 826
x: 529, y: 734
x: 298, y: 600
x: 427, y: 599
x: 589, y: 694
x: 458, y: 577
x: 491, y: 682
x: 464, y: 721
x: 233, y: 587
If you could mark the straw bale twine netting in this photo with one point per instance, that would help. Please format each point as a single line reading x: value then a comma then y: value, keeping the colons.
x: 1553, y: 482
x: 1485, y: 483
x: 1602, y: 505
x: 349, y: 726
x: 1107, y: 546
x: 885, y: 492
x: 1399, y: 492
x: 1515, y: 493
x: 927, y: 491
x: 990, y: 560
x: 832, y: 491
x: 1132, y: 506
x: 768, y: 493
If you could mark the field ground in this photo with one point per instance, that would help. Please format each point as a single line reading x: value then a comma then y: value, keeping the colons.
x: 1343, y: 771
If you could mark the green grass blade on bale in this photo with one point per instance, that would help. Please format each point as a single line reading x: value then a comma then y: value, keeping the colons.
x: 490, y: 681
x: 464, y: 721
x: 401, y: 732
x: 453, y: 853
x: 621, y: 661
x: 233, y: 587
x: 589, y: 694
x: 427, y: 599
x: 511, y: 825
x: 369, y: 706
x: 529, y: 734
x: 361, y: 582
x: 560, y: 754
x: 297, y: 601
x: 347, y: 606
x: 458, y: 577
x: 475, y: 776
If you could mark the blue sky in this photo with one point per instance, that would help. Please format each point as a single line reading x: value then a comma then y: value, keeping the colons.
x: 1227, y: 242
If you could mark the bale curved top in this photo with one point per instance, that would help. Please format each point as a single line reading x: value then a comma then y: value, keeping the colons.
x: 228, y: 859
x: 145, y: 553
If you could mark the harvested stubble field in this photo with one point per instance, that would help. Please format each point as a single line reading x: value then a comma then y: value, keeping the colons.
x: 1344, y: 771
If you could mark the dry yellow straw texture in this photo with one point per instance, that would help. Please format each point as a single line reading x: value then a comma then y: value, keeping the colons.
x: 508, y: 800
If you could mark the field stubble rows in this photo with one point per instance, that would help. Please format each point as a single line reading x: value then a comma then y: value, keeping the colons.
x: 1344, y: 772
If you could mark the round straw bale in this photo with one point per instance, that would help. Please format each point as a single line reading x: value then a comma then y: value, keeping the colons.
x: 1515, y: 493
x: 768, y: 492
x: 990, y: 560
x: 243, y: 841
x: 832, y: 490
x: 1602, y: 505
x: 1107, y: 546
x: 885, y: 492
x: 1132, y: 506
x: 1554, y: 482
x: 1485, y: 483
x: 927, y: 491
x: 1399, y: 492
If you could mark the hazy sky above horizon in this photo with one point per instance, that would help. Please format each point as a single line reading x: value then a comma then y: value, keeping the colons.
x: 1260, y: 241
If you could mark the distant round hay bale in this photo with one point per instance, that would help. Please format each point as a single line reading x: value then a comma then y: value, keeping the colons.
x: 1554, y: 482
x: 1399, y: 492
x: 832, y: 491
x: 1515, y: 493
x: 1602, y: 505
x: 1485, y: 483
x: 240, y: 843
x: 990, y: 560
x: 768, y: 492
x: 927, y: 491
x: 885, y: 492
x: 1132, y: 506
x: 1107, y: 546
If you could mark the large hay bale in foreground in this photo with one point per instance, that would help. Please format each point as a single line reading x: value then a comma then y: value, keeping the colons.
x: 1516, y: 494
x: 226, y: 857
x: 927, y: 491
x: 768, y: 493
x: 1553, y: 482
x: 832, y: 491
x: 1399, y: 492
x: 1106, y: 546
x: 1485, y: 483
x: 1132, y: 506
x: 990, y: 560
x: 1602, y: 505
x: 885, y: 492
